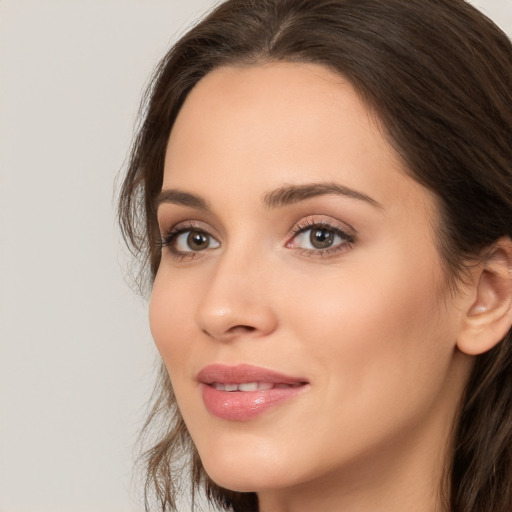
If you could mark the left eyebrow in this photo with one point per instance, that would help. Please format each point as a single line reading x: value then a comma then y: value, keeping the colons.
x: 290, y: 194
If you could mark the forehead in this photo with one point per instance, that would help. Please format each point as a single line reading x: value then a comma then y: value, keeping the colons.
x: 264, y: 126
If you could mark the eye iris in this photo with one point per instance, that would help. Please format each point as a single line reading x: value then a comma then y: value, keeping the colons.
x: 321, y: 238
x: 197, y: 240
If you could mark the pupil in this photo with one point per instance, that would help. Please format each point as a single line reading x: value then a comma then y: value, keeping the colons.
x: 321, y: 238
x: 197, y: 241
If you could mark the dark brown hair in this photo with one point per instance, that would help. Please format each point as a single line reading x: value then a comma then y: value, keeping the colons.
x: 438, y: 76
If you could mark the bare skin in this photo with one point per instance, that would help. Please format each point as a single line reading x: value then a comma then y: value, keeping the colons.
x: 338, y: 283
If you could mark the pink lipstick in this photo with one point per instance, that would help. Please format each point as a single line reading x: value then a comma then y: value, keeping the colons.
x: 242, y: 392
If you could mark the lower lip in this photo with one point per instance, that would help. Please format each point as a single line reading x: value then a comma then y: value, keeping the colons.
x: 245, y: 405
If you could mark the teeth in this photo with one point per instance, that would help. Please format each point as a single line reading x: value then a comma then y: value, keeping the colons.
x: 248, y: 386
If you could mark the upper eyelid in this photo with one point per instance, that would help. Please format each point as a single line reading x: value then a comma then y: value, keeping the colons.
x: 303, y: 224
x: 167, y: 235
x: 342, y: 233
x: 203, y: 210
x: 311, y: 221
x: 189, y: 224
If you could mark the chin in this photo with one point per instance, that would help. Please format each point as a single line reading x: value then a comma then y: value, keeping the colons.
x: 236, y: 481
x: 242, y: 473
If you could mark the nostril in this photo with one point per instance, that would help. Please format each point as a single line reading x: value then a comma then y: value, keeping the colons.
x: 236, y: 329
x: 241, y: 329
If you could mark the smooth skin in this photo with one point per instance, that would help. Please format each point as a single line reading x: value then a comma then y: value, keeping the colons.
x: 249, y: 277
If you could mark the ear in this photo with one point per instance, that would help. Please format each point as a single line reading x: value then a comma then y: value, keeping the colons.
x: 489, y: 317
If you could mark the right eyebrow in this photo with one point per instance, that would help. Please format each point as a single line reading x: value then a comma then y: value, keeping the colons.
x: 175, y: 196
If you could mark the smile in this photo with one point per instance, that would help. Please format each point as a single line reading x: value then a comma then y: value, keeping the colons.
x: 252, y: 386
x: 243, y: 392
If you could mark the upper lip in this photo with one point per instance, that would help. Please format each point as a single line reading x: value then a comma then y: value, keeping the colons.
x: 241, y: 373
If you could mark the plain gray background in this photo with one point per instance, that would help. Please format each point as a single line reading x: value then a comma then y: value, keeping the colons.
x: 76, y: 357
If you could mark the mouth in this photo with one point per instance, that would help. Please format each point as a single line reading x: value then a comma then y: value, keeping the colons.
x: 252, y: 386
x: 243, y: 392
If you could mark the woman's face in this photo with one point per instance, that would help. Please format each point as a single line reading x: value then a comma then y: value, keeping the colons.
x: 300, y: 305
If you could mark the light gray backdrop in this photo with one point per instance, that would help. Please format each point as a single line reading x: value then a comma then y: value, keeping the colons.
x: 76, y: 357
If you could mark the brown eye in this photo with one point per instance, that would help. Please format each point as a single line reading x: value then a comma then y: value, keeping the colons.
x: 198, y: 240
x: 190, y: 241
x: 321, y: 238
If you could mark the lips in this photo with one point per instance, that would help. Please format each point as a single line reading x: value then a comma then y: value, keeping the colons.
x: 242, y: 392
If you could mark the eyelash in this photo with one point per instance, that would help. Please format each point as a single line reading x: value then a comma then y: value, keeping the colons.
x: 307, y: 224
x: 169, y: 238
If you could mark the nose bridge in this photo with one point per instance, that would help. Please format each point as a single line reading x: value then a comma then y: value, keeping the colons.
x: 236, y: 298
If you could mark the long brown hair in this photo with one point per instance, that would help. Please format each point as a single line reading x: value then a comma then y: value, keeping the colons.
x: 438, y: 76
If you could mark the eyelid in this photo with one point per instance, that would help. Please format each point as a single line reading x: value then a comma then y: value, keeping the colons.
x: 187, y: 224
x: 168, y: 236
x: 348, y: 236
x: 345, y: 233
x: 311, y: 221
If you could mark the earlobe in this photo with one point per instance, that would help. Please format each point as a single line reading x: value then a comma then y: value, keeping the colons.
x: 489, y: 317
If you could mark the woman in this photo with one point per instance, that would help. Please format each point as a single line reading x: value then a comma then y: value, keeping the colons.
x: 322, y: 191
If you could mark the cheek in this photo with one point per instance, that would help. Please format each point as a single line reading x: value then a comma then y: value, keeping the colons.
x: 169, y: 318
x: 378, y: 331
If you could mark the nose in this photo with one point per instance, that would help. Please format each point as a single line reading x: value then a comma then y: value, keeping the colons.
x: 237, y: 301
